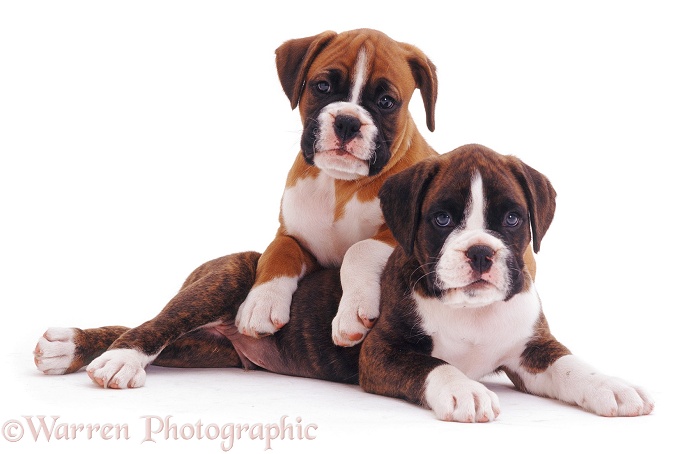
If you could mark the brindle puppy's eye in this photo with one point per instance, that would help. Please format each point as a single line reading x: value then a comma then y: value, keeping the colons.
x: 511, y: 220
x: 323, y: 86
x: 443, y: 219
x: 386, y: 102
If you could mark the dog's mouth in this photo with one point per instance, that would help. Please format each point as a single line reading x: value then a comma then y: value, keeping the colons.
x: 477, y: 293
x: 473, y: 288
x: 341, y: 164
x: 340, y: 152
x: 343, y: 151
x: 479, y: 284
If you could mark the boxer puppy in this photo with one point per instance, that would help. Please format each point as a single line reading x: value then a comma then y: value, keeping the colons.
x: 458, y: 303
x: 353, y: 91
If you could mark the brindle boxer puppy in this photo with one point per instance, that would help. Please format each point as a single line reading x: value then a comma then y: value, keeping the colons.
x: 458, y: 302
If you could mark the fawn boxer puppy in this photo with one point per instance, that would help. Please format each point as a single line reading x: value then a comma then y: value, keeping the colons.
x: 353, y: 91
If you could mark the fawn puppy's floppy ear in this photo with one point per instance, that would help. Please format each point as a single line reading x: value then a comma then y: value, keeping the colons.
x: 541, y: 198
x: 401, y: 199
x: 294, y: 58
x: 425, y: 75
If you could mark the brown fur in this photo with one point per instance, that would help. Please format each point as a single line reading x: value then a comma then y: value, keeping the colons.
x: 284, y: 257
x: 200, y: 301
x: 196, y: 328
x: 211, y: 296
x: 542, y: 350
x: 91, y: 343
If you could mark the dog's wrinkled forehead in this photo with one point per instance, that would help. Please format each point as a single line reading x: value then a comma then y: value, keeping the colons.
x: 471, y: 178
x: 410, y: 198
x: 360, y: 61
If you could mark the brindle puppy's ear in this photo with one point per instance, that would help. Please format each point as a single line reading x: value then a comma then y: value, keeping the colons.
x: 401, y: 199
x: 425, y: 75
x: 294, y: 58
x: 541, y: 198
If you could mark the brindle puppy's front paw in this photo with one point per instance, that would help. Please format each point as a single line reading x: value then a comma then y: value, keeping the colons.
x: 267, y: 307
x: 119, y: 369
x: 611, y: 396
x: 454, y: 397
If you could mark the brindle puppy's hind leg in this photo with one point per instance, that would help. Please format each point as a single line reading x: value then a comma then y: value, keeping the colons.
x: 66, y: 350
x: 200, y: 348
x: 212, y: 293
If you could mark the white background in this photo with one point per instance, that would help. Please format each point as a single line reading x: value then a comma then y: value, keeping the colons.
x: 140, y: 139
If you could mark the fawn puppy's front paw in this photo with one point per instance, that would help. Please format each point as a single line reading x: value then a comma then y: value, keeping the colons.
x: 267, y: 307
x: 357, y: 313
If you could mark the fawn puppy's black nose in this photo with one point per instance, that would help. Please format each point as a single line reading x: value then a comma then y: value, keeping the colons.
x: 346, y: 127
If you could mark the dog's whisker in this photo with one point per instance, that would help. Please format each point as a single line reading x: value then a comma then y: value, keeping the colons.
x: 424, y: 275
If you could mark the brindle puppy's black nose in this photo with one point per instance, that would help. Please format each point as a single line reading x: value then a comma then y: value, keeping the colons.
x: 480, y: 258
x: 346, y: 127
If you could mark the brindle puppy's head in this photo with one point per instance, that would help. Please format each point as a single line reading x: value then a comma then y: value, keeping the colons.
x: 466, y: 218
x: 353, y: 90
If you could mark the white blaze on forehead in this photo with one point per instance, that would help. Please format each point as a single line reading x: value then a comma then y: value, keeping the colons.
x: 359, y: 77
x: 475, y: 216
x: 454, y: 272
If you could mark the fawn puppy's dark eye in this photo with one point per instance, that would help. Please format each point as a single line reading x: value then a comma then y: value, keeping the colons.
x: 511, y: 220
x: 323, y: 86
x: 386, y: 102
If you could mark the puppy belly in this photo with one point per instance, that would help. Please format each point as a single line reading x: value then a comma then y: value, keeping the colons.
x: 252, y: 352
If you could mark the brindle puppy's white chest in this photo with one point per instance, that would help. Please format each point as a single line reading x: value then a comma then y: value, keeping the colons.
x: 309, y: 215
x: 478, y: 340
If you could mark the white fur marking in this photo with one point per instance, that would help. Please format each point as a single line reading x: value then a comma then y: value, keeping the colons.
x: 454, y: 397
x: 359, y: 77
x: 479, y: 340
x: 120, y: 368
x: 267, y: 306
x: 330, y: 154
x: 571, y: 380
x: 475, y: 218
x: 55, y: 351
x: 360, y: 278
x: 309, y: 210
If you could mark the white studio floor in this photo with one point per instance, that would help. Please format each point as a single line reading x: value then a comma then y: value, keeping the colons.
x: 331, y: 416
